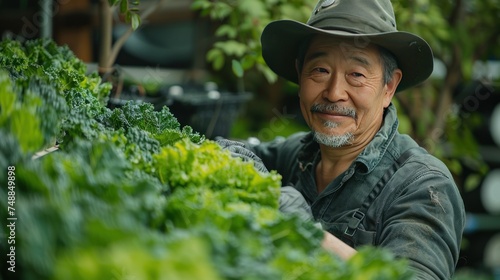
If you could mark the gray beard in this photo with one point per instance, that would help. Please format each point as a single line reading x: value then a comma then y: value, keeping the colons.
x: 333, y: 141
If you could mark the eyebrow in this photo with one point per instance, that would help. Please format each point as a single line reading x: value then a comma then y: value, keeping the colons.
x: 360, y: 59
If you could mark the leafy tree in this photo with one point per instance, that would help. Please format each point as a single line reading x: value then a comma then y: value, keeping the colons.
x: 460, y: 34
x: 130, y: 12
x: 240, y: 26
x: 108, y: 50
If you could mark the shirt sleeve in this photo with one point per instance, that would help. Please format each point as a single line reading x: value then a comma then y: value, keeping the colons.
x: 279, y: 154
x: 291, y: 201
x: 424, y: 220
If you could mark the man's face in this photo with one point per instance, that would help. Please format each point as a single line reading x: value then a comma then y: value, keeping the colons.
x: 342, y: 93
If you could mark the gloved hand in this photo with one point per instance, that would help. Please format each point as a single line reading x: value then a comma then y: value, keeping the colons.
x: 291, y: 201
x: 238, y: 149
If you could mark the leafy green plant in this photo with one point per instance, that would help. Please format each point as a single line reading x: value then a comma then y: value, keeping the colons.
x: 241, y: 24
x: 131, y: 194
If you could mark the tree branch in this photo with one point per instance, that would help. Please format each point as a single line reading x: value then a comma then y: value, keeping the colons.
x: 453, y: 74
x: 123, y: 38
x: 106, y: 23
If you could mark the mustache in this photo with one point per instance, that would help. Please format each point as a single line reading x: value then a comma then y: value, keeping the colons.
x: 334, y: 109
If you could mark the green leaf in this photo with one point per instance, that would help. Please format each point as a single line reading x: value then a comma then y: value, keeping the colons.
x: 201, y: 5
x: 218, y: 63
x: 455, y: 166
x: 136, y: 20
x: 220, y: 10
x: 123, y: 6
x: 232, y: 47
x: 213, y: 54
x: 237, y: 68
x: 226, y: 30
x: 26, y: 127
x: 7, y: 97
x: 472, y: 182
x: 254, y: 9
x: 269, y: 74
x: 248, y: 61
x: 216, y: 57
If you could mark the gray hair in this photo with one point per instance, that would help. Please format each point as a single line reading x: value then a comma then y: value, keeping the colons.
x: 389, y: 64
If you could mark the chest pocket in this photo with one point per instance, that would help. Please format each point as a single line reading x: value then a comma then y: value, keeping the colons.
x: 353, y: 232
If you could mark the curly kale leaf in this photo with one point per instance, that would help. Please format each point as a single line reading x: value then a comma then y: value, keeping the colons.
x: 13, y: 57
x: 162, y: 125
x: 99, y: 89
x: 78, y: 125
x: 147, y: 146
x: 53, y: 64
x: 143, y: 116
x: 89, y: 196
x: 31, y: 114
x: 52, y: 110
x: 10, y: 152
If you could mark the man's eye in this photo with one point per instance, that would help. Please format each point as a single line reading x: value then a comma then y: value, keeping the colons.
x: 319, y: 70
x: 356, y: 79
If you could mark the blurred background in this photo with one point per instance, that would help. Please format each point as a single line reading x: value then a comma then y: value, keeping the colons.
x: 203, y: 60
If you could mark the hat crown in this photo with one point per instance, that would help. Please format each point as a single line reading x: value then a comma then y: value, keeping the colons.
x: 354, y: 16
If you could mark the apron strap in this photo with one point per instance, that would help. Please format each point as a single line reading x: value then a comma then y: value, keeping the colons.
x: 359, y: 215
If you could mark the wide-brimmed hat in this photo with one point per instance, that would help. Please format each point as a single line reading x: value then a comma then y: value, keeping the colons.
x: 367, y: 21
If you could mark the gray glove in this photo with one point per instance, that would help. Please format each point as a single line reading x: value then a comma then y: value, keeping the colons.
x: 292, y: 202
x: 238, y: 149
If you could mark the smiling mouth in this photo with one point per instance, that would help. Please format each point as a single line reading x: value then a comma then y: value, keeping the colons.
x: 333, y: 111
x: 332, y: 118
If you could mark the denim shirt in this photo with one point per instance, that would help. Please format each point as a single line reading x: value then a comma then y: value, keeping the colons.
x: 418, y: 215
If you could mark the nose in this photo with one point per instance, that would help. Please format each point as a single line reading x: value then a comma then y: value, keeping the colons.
x: 336, y: 89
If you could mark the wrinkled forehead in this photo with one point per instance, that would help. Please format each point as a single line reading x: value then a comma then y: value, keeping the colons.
x: 347, y: 48
x: 343, y: 44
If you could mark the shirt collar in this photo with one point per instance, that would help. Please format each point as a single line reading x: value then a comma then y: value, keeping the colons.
x: 375, y: 150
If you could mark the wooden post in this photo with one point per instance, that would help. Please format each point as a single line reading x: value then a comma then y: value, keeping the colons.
x: 73, y: 26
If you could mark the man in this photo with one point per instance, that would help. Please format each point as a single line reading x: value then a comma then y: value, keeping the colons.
x: 365, y: 183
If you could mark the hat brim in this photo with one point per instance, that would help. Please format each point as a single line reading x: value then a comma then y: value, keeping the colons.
x: 281, y: 40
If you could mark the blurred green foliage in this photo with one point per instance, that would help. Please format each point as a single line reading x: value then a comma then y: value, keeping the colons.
x: 241, y: 24
x: 130, y: 10
x: 434, y: 112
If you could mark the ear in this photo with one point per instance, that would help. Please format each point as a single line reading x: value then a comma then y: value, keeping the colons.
x: 392, y: 86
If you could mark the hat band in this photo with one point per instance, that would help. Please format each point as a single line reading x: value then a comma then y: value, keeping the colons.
x: 351, y: 25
